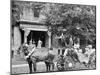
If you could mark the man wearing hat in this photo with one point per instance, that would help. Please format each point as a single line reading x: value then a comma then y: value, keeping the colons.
x: 34, y: 43
x: 88, y: 50
x: 76, y: 47
x: 31, y: 49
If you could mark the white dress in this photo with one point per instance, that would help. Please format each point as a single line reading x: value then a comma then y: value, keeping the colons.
x: 39, y: 44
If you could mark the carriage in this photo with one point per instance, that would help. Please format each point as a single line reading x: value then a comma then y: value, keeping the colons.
x: 69, y: 61
x: 64, y: 62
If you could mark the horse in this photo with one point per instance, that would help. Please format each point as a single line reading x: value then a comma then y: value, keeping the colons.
x: 46, y: 56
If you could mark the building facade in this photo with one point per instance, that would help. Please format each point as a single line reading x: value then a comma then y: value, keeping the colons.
x: 31, y: 28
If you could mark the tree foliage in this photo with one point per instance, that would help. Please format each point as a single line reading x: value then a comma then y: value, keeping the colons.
x: 76, y: 20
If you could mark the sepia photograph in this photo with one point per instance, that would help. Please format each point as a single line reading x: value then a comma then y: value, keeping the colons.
x: 52, y: 37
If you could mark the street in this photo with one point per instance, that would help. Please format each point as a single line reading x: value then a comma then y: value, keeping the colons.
x: 23, y: 68
x: 20, y: 65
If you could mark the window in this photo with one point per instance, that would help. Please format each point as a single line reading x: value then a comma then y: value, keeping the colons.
x: 36, y: 11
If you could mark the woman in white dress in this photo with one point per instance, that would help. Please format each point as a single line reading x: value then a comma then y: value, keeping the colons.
x: 39, y: 44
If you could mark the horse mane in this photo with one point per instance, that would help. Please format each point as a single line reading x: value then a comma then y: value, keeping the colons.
x: 25, y: 50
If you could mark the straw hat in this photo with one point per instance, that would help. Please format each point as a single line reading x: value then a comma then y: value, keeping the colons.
x: 33, y: 42
x: 89, y: 46
x: 26, y: 44
x: 80, y: 50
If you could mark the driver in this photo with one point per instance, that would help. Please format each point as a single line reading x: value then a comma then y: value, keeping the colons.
x: 31, y: 49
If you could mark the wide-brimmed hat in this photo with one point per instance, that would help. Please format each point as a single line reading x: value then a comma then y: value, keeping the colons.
x: 30, y: 41
x: 89, y: 46
x: 76, y: 47
x: 33, y: 41
x: 80, y: 50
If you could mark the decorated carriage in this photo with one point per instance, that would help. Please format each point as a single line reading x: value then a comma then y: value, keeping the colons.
x: 64, y: 62
x: 68, y: 58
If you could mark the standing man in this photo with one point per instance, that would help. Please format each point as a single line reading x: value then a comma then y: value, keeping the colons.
x: 31, y: 49
x: 34, y: 44
x: 71, y: 42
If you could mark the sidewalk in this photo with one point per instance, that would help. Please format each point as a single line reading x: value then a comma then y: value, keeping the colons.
x: 18, y: 59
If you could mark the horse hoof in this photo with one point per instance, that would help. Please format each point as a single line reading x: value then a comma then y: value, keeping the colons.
x: 30, y: 72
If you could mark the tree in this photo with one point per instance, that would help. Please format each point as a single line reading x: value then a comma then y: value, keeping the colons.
x: 75, y: 20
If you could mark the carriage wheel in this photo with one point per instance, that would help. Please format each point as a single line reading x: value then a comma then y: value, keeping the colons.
x: 60, y: 66
x: 69, y: 63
